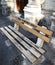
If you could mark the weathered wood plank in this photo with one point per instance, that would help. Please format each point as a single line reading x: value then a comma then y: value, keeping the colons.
x: 34, y: 52
x: 29, y: 56
x: 27, y: 40
x: 37, y: 27
x: 46, y: 39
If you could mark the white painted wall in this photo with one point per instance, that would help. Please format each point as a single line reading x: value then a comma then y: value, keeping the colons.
x: 10, y: 3
x: 49, y: 4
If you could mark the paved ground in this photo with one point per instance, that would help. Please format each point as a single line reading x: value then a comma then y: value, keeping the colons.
x: 9, y: 54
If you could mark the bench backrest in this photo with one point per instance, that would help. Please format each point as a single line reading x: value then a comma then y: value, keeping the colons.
x: 21, y: 22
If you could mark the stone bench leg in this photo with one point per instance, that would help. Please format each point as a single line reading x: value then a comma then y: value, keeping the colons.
x: 16, y: 27
x: 40, y: 42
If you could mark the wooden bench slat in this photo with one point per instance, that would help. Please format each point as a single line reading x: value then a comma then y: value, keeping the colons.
x: 37, y: 27
x: 29, y: 56
x: 34, y: 52
x: 33, y: 32
x: 27, y: 40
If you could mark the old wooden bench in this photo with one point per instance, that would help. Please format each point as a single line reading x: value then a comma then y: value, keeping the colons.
x: 26, y: 46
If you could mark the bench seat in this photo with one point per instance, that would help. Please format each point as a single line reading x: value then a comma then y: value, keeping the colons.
x: 23, y: 44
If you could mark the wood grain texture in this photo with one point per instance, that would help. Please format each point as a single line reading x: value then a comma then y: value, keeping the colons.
x: 29, y: 56
x: 33, y: 51
x: 40, y: 50
x: 37, y: 27
x: 46, y: 39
